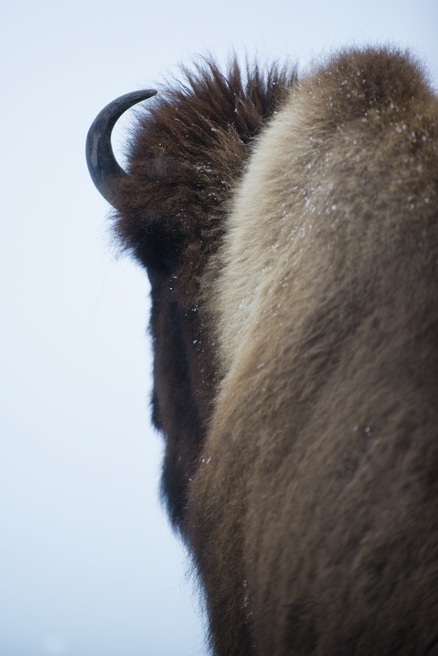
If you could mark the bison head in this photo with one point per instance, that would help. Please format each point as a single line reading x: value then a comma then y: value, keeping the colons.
x: 187, y: 154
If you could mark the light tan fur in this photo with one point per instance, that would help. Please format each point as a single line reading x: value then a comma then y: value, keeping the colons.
x: 313, y: 515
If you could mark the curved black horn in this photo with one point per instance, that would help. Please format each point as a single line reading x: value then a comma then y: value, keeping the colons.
x: 102, y: 164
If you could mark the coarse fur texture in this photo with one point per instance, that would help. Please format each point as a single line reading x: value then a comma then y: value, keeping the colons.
x: 295, y: 324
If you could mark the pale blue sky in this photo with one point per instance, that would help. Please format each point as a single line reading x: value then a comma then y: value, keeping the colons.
x: 88, y: 564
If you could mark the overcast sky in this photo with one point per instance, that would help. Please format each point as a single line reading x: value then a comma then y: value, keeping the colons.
x: 88, y: 564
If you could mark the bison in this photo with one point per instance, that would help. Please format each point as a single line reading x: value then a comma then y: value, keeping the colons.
x: 289, y: 229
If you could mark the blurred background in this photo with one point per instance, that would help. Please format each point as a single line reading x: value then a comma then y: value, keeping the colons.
x: 88, y: 563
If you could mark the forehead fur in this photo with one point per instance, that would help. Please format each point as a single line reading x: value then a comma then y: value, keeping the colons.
x: 188, y: 149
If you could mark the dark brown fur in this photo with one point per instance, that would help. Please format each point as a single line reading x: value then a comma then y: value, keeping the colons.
x: 188, y: 153
x: 301, y: 423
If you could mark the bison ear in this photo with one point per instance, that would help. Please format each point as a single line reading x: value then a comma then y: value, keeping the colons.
x: 150, y: 222
x: 171, y: 206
